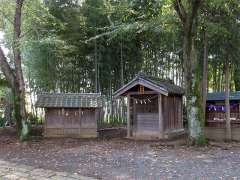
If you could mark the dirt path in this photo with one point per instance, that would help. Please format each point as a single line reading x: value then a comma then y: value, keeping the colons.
x: 124, y: 159
x: 13, y: 171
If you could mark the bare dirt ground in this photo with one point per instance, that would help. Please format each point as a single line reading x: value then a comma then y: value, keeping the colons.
x: 124, y: 159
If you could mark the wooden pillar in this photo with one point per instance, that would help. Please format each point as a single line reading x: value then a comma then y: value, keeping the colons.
x: 45, y: 123
x: 238, y: 107
x: 128, y: 116
x: 182, y: 105
x: 160, y: 116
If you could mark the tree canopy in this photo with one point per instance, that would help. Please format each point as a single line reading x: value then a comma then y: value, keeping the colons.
x: 99, y: 45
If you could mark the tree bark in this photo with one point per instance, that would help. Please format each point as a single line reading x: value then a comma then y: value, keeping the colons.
x: 20, y: 87
x: 122, y: 65
x: 205, y: 73
x: 15, y: 77
x: 191, y: 71
x: 6, y: 69
x: 227, y: 103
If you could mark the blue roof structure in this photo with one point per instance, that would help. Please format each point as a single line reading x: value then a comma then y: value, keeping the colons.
x: 220, y: 96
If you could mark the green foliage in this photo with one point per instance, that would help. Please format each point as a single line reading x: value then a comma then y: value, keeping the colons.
x: 94, y: 45
x: 2, y: 121
x: 112, y: 121
x: 59, y: 51
x: 100, y: 34
x: 33, y: 119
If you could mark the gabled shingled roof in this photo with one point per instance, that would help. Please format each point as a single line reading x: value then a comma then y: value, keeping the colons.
x: 164, y: 87
x: 220, y: 96
x: 69, y: 100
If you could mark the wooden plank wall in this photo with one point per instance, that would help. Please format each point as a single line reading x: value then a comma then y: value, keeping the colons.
x: 147, y: 122
x: 145, y: 116
x: 172, y: 112
x: 219, y: 133
x: 71, y: 122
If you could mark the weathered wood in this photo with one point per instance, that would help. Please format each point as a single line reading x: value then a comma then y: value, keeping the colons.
x: 71, y: 122
x: 133, y: 118
x: 160, y: 116
x: 181, y: 112
x: 138, y: 93
x: 128, y: 116
x: 154, y: 110
x: 147, y: 122
x: 88, y: 118
x: 143, y: 82
x: 172, y: 111
x: 219, y: 133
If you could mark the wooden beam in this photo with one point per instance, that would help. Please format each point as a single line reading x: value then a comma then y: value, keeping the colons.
x: 143, y: 82
x: 128, y: 116
x: 146, y: 92
x: 160, y: 114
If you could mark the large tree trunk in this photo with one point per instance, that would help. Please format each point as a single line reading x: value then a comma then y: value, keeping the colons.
x: 20, y: 86
x: 15, y: 77
x: 227, y: 104
x: 205, y: 73
x: 192, y: 92
x: 188, y: 16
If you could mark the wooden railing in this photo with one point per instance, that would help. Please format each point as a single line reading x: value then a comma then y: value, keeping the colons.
x: 218, y: 119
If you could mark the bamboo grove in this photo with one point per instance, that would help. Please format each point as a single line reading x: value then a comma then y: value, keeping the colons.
x: 99, y: 45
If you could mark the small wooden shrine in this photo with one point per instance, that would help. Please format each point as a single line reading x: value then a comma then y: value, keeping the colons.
x: 71, y: 115
x: 155, y: 107
x: 215, y: 125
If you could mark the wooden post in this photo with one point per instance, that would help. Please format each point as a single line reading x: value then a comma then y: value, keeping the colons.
x: 182, y: 105
x: 161, y: 130
x: 238, y: 108
x: 128, y: 116
x: 45, y: 123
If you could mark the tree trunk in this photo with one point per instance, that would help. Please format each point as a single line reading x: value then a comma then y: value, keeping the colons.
x: 122, y: 65
x: 96, y: 65
x: 237, y: 78
x: 215, y: 78
x: 205, y: 73
x: 192, y: 93
x: 227, y: 103
x: 15, y: 77
x: 20, y: 85
x: 188, y: 15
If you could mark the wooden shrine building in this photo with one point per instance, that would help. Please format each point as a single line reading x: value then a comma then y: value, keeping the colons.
x: 70, y: 115
x: 155, y: 108
x: 215, y: 125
